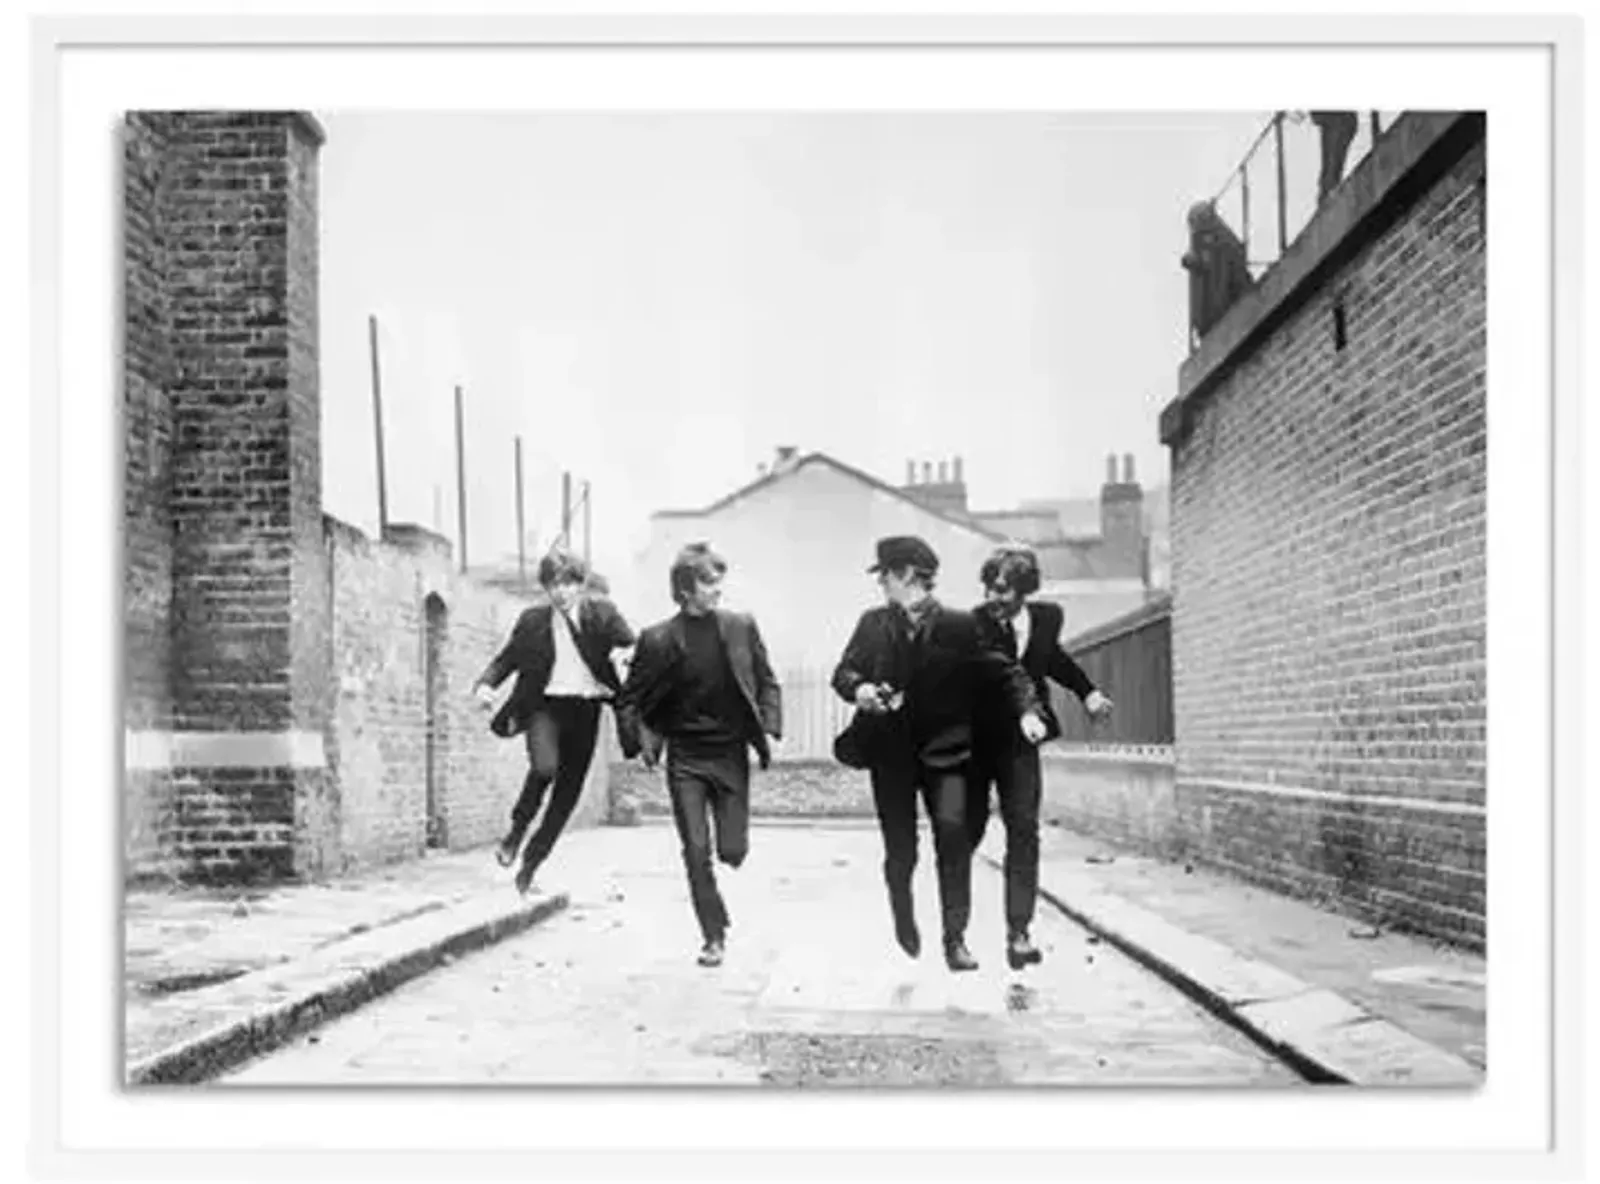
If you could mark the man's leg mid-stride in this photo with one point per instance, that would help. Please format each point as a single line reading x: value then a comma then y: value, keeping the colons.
x: 945, y: 793
x: 692, y: 794
x: 894, y: 796
x: 1020, y: 790
x: 544, y: 752
x: 578, y: 723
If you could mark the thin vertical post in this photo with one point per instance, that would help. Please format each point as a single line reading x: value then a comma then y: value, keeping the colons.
x: 522, y: 557
x: 1244, y: 202
x: 377, y: 425
x: 461, y: 482
x: 587, y: 536
x: 1372, y: 118
x: 1283, y: 207
x: 566, y: 509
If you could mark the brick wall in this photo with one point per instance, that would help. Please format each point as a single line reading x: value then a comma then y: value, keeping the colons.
x: 1328, y: 557
x: 277, y: 721
x: 391, y: 606
x: 1126, y: 795
x: 147, y: 435
x: 221, y: 409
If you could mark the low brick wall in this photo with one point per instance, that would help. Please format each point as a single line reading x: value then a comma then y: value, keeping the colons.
x: 410, y: 635
x: 1362, y: 856
x: 1126, y: 796
x: 788, y: 789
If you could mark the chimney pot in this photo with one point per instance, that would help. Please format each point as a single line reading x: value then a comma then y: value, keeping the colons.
x: 1127, y: 468
x: 944, y: 472
x: 1111, y: 468
x: 957, y: 466
x: 927, y: 472
x: 911, y: 472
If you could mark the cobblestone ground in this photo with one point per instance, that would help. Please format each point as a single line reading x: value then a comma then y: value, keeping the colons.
x: 813, y: 992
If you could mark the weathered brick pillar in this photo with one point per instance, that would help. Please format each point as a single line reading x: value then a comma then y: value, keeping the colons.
x: 147, y: 515
x: 249, y: 603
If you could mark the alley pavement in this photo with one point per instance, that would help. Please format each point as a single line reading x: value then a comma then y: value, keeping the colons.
x: 813, y: 992
x: 437, y: 972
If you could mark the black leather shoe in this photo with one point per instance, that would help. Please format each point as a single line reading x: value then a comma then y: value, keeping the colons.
x: 1021, y: 952
x: 506, y: 853
x: 905, y: 932
x: 711, y: 953
x: 524, y: 879
x: 957, y: 956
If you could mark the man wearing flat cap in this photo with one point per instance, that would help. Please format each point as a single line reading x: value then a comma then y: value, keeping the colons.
x: 919, y: 670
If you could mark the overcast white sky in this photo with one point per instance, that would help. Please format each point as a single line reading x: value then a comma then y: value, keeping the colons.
x: 656, y: 301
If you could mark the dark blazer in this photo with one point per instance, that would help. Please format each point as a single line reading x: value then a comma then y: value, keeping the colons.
x: 944, y: 679
x: 647, y: 706
x: 530, y: 654
x: 1043, y: 658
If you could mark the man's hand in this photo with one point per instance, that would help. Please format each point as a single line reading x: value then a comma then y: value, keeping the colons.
x: 1033, y: 727
x: 870, y: 697
x: 484, y: 695
x: 1097, y: 705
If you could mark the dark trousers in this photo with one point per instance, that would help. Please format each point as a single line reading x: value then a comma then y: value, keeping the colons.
x: 1338, y: 130
x: 710, y: 788
x: 1018, y: 781
x: 560, y: 737
x: 944, y: 792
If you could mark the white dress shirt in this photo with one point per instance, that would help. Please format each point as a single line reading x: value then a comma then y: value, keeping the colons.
x: 570, y: 674
x: 1022, y: 626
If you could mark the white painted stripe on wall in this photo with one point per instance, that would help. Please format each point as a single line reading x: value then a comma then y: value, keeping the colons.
x: 160, y: 749
x: 1375, y: 800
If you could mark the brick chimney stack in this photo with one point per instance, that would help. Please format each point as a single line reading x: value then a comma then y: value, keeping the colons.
x: 945, y: 492
x: 1122, y: 508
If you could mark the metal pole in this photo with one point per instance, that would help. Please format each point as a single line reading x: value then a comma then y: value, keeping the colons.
x: 1283, y: 209
x: 522, y: 558
x: 1244, y: 199
x: 566, y: 509
x: 1372, y: 117
x: 461, y: 482
x: 377, y: 423
x: 587, y: 537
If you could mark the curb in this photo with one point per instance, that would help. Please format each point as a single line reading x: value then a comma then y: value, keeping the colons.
x: 1323, y: 1036
x: 342, y: 987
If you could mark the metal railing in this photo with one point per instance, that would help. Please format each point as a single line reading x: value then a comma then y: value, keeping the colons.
x: 1274, y: 190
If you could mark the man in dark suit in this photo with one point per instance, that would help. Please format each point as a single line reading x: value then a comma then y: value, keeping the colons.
x: 1030, y: 633
x: 561, y: 653
x: 919, y: 670
x: 701, y: 683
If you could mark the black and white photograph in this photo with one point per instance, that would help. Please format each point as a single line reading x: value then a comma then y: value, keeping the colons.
x: 804, y: 599
x: 921, y: 596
